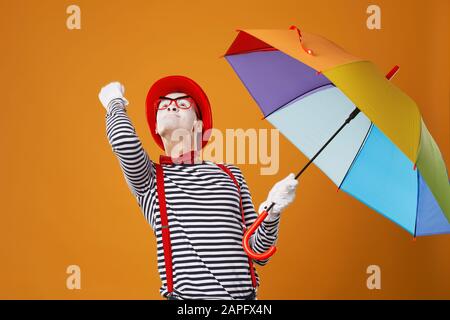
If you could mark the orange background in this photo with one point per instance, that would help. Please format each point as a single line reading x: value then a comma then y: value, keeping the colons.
x: 64, y: 199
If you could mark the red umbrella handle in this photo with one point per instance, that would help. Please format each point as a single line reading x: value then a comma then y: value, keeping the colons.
x: 263, y: 215
x: 248, y: 234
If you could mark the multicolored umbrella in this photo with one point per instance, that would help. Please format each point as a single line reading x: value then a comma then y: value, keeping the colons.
x: 307, y: 86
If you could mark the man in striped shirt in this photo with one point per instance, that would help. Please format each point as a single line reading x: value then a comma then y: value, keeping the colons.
x: 201, y: 200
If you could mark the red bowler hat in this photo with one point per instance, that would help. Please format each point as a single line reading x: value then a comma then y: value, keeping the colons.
x: 184, y: 84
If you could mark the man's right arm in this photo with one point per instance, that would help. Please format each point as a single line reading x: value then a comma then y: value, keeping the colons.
x: 126, y: 145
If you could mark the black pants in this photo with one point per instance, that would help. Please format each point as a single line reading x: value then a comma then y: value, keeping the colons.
x: 251, y: 296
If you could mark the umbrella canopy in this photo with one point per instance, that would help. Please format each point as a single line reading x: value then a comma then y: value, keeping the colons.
x: 306, y: 86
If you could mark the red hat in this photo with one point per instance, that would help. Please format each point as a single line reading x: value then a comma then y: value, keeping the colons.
x: 170, y: 84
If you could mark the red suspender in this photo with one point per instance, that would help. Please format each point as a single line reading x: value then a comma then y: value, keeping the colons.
x: 250, y: 262
x: 164, y: 226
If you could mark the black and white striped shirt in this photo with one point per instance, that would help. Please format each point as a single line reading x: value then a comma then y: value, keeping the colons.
x: 204, y: 217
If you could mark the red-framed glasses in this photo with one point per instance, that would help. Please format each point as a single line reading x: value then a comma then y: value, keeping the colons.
x: 184, y: 103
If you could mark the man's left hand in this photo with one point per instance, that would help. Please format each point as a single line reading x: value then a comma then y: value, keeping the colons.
x: 283, y: 194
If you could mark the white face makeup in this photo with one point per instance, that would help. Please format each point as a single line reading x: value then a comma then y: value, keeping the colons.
x: 173, y: 118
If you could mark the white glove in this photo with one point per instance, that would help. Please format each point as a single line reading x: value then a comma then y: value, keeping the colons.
x: 110, y: 92
x: 283, y: 194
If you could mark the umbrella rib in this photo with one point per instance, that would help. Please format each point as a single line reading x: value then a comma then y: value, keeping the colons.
x: 302, y: 95
x: 417, y: 204
x: 357, y: 154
